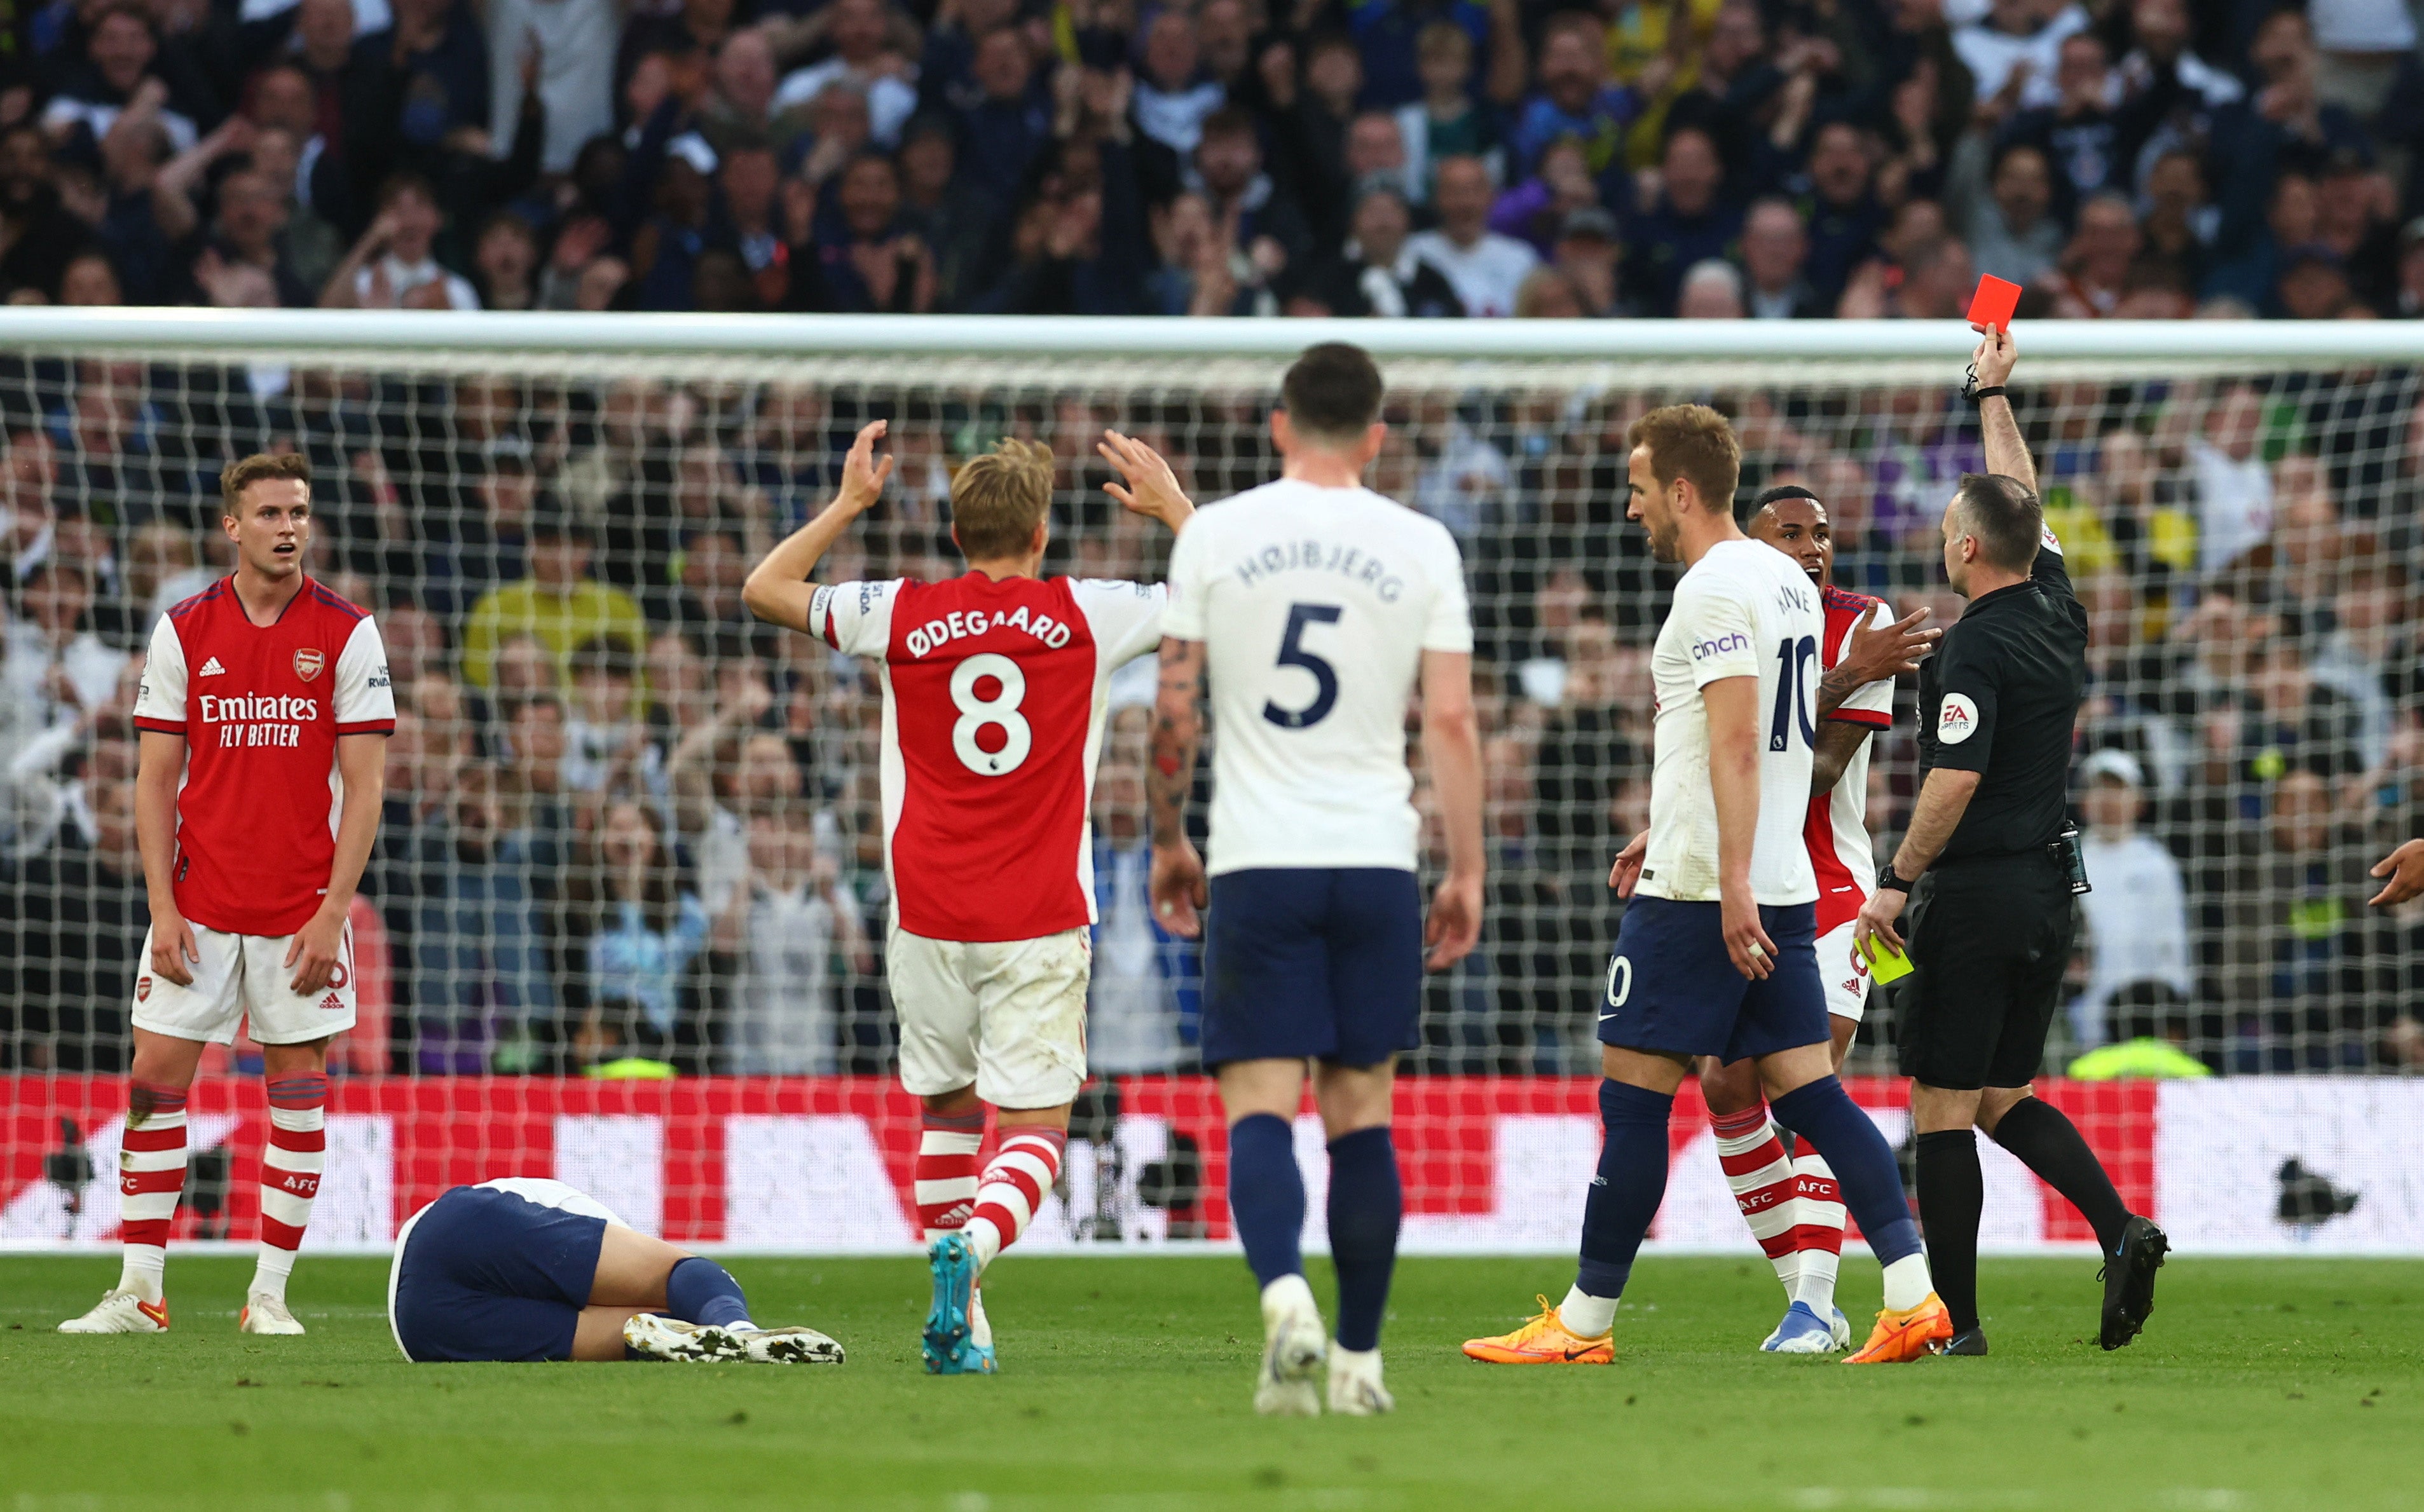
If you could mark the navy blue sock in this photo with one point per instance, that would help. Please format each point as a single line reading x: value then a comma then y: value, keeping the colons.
x: 1365, y: 1202
x: 1626, y: 1194
x: 1266, y: 1195
x: 701, y: 1291
x: 1824, y: 1114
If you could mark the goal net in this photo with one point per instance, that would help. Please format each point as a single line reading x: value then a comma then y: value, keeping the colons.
x: 624, y: 922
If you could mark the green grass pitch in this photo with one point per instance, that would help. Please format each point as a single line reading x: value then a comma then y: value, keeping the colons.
x: 2259, y: 1384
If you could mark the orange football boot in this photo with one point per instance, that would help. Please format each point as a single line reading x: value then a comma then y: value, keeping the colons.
x: 1543, y: 1340
x: 1910, y: 1334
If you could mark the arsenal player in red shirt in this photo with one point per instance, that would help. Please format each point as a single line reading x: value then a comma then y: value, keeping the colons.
x: 996, y: 693
x: 264, y: 708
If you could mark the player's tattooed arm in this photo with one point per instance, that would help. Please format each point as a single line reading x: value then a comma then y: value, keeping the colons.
x: 2007, y: 453
x: 1177, y: 884
x: 1876, y: 652
x: 778, y: 590
x: 1839, y: 741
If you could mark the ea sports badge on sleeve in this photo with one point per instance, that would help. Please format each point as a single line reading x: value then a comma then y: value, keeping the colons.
x: 1885, y: 964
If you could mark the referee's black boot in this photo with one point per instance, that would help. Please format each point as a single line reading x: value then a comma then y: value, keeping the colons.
x: 1968, y: 1342
x: 2129, y: 1277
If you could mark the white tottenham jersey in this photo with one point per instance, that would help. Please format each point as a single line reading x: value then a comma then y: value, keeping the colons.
x: 1314, y: 605
x: 1744, y: 609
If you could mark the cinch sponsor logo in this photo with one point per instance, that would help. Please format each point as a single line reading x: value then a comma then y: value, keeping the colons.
x: 1702, y: 650
x: 936, y: 633
x: 258, y: 706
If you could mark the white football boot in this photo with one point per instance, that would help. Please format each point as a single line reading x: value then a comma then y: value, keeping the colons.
x: 1294, y: 1347
x: 1355, y: 1388
x: 265, y: 1314
x: 122, y: 1313
x: 654, y: 1336
x: 790, y: 1346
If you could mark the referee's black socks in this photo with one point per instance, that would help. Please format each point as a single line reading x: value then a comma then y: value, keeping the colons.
x: 1951, y: 1196
x: 2050, y: 1144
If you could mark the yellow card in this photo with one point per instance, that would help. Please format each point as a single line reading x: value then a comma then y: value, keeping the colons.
x: 1885, y: 964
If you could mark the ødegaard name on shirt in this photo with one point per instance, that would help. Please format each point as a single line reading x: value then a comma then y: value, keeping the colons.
x: 1349, y: 561
x: 960, y: 624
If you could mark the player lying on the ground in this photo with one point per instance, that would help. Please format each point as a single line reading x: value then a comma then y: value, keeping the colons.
x: 527, y: 1268
x: 1791, y: 1202
x: 996, y: 690
x: 263, y: 714
x: 1717, y: 954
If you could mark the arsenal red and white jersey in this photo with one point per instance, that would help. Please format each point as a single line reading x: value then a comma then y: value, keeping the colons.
x: 261, y: 708
x: 994, y: 695
x: 1837, y: 830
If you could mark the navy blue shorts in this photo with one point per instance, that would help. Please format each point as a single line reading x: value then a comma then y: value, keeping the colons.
x: 1671, y: 987
x: 488, y: 1275
x: 1324, y: 962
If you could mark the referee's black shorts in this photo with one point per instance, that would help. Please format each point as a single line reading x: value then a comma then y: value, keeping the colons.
x: 1988, y: 939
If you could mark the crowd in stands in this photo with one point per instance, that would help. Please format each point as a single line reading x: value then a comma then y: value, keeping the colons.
x: 1767, y: 159
x: 625, y: 821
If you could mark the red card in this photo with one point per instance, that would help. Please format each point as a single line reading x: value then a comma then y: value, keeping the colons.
x: 1993, y: 303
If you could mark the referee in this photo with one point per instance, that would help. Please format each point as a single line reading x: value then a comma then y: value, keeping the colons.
x: 1986, y: 871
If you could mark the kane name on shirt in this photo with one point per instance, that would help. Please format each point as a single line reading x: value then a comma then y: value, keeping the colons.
x: 260, y: 707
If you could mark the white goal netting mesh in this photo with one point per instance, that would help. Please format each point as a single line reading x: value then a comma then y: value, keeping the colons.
x: 2247, y: 540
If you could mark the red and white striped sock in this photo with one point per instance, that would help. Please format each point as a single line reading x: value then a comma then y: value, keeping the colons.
x: 150, y: 1179
x: 290, y: 1174
x: 946, y: 1172
x: 1023, y: 1170
x: 1817, y: 1230
x: 1761, y: 1175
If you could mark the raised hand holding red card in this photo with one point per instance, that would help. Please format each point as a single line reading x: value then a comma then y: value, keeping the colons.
x: 1991, y: 307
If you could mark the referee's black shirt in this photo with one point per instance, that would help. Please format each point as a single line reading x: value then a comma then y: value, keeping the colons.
x: 1998, y: 698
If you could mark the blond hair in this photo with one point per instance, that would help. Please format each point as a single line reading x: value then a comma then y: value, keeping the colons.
x: 1693, y: 442
x: 1000, y: 497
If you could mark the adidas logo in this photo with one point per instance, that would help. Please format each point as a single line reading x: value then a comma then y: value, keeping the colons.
x: 332, y: 1001
x: 212, y: 669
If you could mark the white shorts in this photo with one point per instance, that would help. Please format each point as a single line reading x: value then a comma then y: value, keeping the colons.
x: 1846, y: 975
x: 241, y: 977
x: 1008, y: 1015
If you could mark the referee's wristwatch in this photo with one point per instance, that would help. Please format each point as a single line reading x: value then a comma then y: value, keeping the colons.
x: 1888, y: 882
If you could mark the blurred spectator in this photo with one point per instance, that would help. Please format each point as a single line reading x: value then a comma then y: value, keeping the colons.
x: 2234, y: 488
x: 1172, y: 97
x: 558, y: 602
x: 1774, y: 250
x: 1485, y: 269
x: 118, y: 76
x: 56, y: 665
x: 2012, y: 230
x: 391, y: 268
x: 2095, y: 268
x: 1840, y: 209
x: 2137, y: 916
x: 641, y: 926
x: 784, y: 923
x: 1574, y: 98
x: 575, y: 42
x: 1377, y: 273
x: 1561, y: 185
x: 73, y: 919
x: 1260, y: 232
x: 1446, y: 122
x: 2014, y: 53
x: 860, y: 34
x: 1132, y: 1008
x: 1588, y: 254
x: 1712, y: 290
x: 1686, y: 224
